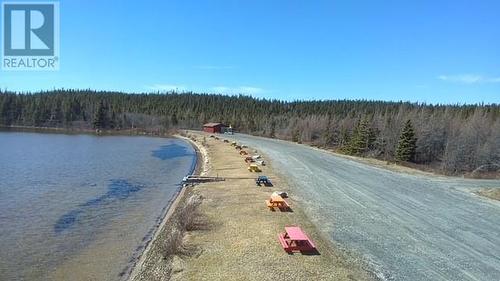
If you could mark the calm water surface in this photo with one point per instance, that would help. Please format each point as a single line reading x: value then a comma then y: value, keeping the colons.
x: 82, y: 207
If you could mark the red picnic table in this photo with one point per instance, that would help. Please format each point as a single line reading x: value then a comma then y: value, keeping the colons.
x: 295, y: 240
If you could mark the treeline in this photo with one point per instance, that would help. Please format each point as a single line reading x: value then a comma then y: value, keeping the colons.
x: 453, y: 138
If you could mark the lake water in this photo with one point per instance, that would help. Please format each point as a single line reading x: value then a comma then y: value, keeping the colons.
x: 82, y: 207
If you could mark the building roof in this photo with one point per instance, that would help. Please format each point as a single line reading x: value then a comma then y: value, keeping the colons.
x: 213, y: 124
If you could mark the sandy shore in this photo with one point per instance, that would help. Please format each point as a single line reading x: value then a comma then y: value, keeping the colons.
x: 239, y: 237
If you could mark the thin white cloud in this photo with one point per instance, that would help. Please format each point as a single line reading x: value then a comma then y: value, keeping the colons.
x: 166, y: 87
x: 238, y: 90
x: 469, y: 78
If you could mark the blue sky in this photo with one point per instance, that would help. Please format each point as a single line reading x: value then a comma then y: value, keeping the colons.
x: 426, y: 51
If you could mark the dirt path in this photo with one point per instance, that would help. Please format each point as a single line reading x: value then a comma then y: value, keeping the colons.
x: 240, y: 241
x: 409, y: 227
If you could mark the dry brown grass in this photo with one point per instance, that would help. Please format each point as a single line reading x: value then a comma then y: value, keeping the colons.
x: 492, y: 193
x: 184, y: 219
x: 159, y: 262
x: 408, y: 168
x: 241, y: 242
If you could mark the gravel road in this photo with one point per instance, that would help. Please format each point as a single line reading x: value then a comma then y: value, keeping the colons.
x: 406, y: 227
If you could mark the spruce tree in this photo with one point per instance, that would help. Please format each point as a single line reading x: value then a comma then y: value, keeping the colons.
x: 99, y: 117
x: 5, y: 111
x: 173, y: 119
x: 362, y: 138
x: 296, y: 136
x: 329, y: 134
x: 345, y: 138
x: 407, y: 143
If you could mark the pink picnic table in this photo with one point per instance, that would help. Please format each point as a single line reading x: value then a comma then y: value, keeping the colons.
x: 295, y: 240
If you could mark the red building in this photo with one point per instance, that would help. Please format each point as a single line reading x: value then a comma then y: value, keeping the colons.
x: 214, y: 128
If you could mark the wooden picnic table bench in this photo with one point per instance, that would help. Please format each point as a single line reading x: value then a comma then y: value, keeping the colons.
x: 249, y: 160
x: 263, y: 180
x: 295, y: 240
x: 276, y: 201
x: 254, y: 168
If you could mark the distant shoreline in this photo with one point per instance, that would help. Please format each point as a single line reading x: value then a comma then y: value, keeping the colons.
x: 405, y: 167
x: 385, y: 164
x: 75, y: 131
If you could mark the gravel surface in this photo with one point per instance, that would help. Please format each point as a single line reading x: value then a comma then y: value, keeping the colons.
x: 406, y: 227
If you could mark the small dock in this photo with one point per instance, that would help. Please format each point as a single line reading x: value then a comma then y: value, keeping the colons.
x: 190, y: 179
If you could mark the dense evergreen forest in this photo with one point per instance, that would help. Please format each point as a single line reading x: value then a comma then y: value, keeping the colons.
x: 455, y: 139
